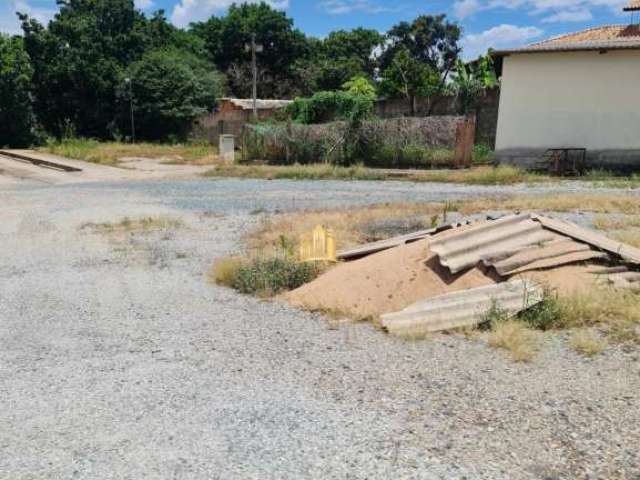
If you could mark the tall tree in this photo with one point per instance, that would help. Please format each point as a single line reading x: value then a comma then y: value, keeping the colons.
x: 16, y: 114
x: 170, y: 88
x: 339, y: 57
x: 431, y: 40
x: 409, y: 78
x: 80, y: 58
x: 226, y: 39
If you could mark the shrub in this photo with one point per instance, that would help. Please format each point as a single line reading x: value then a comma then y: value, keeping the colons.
x: 262, y: 276
x: 329, y: 106
x: 271, y: 276
x: 544, y: 315
x: 483, y: 154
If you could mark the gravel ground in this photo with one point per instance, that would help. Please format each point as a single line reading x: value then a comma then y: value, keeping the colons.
x: 118, y: 361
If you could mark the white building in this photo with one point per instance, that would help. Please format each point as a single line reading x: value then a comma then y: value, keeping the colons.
x: 580, y: 90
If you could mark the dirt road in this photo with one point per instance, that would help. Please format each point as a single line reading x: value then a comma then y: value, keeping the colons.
x: 118, y: 360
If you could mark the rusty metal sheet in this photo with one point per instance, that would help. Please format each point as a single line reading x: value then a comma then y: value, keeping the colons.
x: 502, y: 238
x: 595, y: 239
x: 463, y: 308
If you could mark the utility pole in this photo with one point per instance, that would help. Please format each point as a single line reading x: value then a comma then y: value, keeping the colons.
x: 255, y: 48
x: 133, y: 125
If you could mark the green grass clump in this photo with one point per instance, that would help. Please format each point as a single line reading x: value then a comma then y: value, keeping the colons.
x: 264, y: 277
x: 545, y: 315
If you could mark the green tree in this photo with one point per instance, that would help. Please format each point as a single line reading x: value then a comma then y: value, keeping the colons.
x: 170, y: 88
x: 16, y: 115
x: 79, y: 60
x: 360, y: 86
x: 470, y: 81
x: 226, y: 37
x: 429, y: 40
x: 341, y: 56
x: 410, y: 78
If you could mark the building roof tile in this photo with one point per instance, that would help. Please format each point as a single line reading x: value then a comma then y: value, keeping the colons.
x: 607, y: 37
x: 632, y: 6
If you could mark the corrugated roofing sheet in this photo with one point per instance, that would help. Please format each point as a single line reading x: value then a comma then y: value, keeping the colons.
x: 375, y: 247
x: 626, y: 252
x: 498, y: 239
x: 598, y: 38
x: 461, y: 309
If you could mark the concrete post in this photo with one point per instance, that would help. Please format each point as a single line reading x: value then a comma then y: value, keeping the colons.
x: 227, y: 148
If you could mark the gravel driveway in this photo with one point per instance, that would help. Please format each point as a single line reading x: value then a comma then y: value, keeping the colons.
x: 118, y: 361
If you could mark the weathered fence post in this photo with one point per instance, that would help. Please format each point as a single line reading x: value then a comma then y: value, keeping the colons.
x: 465, y: 136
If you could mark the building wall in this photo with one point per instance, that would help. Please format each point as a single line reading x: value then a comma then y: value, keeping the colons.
x: 572, y: 99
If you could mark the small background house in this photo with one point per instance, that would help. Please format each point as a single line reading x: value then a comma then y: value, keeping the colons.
x: 232, y: 114
x: 580, y: 90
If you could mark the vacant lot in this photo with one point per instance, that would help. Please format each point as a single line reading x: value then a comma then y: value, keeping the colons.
x: 119, y: 360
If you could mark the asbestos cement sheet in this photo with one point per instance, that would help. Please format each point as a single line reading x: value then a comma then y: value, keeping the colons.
x: 463, y: 308
x: 550, y: 254
x: 595, y: 239
x: 498, y: 239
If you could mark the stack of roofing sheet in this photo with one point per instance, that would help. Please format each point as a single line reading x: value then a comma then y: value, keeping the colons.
x: 462, y: 308
x: 518, y: 243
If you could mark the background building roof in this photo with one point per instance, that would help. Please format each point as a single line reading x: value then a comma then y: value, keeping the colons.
x: 247, y: 103
x: 607, y: 37
x: 633, y: 5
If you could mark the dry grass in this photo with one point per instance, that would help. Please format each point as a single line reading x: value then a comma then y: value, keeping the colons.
x: 502, y: 175
x: 352, y: 225
x: 556, y: 203
x: 602, y: 222
x: 224, y: 271
x: 632, y: 237
x: 110, y: 153
x: 514, y: 336
x: 348, y: 224
x: 587, y: 342
x: 144, y: 224
x: 297, y: 172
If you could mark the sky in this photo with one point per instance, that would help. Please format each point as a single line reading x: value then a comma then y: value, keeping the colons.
x: 485, y: 23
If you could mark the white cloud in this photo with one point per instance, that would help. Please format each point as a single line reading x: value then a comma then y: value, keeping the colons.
x: 340, y: 7
x: 144, y: 4
x: 466, y: 8
x: 9, y: 22
x: 560, y: 8
x: 187, y: 11
x: 569, y: 16
x: 502, y: 36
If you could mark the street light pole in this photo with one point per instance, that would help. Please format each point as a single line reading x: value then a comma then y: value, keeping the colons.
x: 133, y: 125
x: 254, y: 68
x: 255, y: 48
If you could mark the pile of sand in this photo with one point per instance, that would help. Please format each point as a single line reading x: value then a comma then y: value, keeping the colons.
x: 385, y: 282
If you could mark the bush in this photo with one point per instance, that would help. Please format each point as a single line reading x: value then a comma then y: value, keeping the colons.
x: 325, y: 107
x: 267, y: 277
x: 545, y: 315
x: 262, y: 276
x: 16, y: 115
x: 392, y: 143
